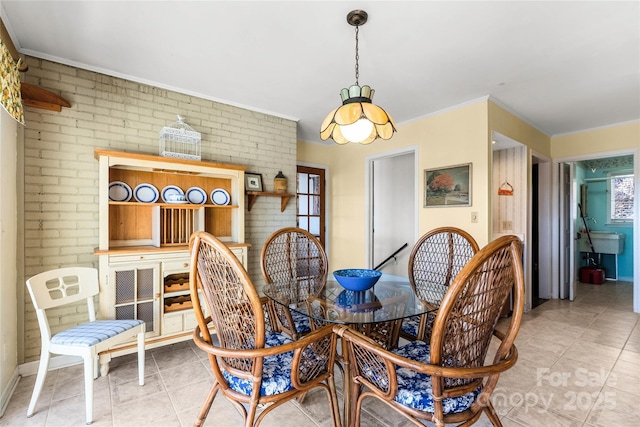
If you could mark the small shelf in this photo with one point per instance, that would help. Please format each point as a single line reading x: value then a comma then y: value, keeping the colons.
x: 253, y: 196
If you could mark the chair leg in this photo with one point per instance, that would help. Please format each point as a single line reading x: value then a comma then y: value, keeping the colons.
x: 141, y: 358
x: 333, y: 401
x: 89, y: 363
x: 40, y: 379
x: 492, y: 414
x: 204, y: 411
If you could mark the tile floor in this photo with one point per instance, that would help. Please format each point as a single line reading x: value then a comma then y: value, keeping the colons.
x: 579, y: 365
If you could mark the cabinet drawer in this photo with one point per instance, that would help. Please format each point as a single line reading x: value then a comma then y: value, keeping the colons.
x: 190, y: 321
x: 176, y: 265
x: 115, y: 259
x: 172, y: 324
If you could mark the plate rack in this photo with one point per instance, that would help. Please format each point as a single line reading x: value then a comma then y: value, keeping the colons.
x: 178, y: 223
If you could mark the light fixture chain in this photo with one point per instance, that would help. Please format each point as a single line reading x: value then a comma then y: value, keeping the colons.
x: 357, y: 57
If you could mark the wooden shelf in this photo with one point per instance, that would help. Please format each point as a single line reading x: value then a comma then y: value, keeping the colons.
x: 253, y: 196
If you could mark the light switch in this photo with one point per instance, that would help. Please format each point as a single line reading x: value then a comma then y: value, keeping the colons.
x: 474, y: 216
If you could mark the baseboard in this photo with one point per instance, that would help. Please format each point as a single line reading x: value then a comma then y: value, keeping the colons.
x: 8, y: 391
x: 56, y: 362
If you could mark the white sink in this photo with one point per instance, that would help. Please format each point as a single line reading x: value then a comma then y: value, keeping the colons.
x: 604, y: 242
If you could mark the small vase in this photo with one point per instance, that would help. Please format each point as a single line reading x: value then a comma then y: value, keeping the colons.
x: 280, y: 183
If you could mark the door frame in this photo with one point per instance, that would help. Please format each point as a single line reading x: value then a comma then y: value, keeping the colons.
x: 413, y: 149
x: 565, y: 220
x: 636, y: 207
x: 545, y: 224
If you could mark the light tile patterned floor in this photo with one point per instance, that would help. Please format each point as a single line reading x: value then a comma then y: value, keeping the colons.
x: 579, y: 365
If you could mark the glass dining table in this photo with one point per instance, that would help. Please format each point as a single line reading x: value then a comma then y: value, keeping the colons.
x: 381, y: 307
x: 377, y: 312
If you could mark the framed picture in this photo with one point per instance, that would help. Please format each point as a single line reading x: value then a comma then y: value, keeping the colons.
x: 447, y: 187
x: 252, y: 181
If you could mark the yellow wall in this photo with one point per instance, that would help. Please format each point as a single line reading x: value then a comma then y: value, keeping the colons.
x: 612, y: 138
x: 451, y: 138
x: 502, y: 121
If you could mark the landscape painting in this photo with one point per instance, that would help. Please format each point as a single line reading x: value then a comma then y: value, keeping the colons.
x: 448, y: 186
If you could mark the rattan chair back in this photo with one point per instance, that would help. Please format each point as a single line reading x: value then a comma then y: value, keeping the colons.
x: 293, y: 253
x: 470, y: 311
x: 436, y: 259
x: 294, y: 257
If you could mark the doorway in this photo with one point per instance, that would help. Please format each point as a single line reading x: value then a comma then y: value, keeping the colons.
x: 590, y: 177
x: 525, y: 211
x: 393, y: 211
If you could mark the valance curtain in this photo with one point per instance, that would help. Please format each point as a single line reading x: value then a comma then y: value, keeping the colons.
x: 10, y: 79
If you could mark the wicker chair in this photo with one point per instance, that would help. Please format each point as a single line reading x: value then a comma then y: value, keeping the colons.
x: 252, y: 363
x: 435, y: 260
x: 448, y: 381
x: 293, y: 255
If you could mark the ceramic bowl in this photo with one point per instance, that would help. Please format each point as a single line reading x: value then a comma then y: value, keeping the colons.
x: 357, y: 279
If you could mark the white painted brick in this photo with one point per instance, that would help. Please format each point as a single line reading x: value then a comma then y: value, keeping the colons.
x: 40, y: 234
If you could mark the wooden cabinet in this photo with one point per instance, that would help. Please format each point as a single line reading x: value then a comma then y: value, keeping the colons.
x: 143, y: 247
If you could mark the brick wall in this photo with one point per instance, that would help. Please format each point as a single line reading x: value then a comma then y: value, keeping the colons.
x: 61, y: 175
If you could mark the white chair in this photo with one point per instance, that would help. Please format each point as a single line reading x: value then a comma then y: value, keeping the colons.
x: 69, y: 285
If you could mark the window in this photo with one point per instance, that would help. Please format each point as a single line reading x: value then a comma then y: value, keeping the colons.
x: 621, y: 188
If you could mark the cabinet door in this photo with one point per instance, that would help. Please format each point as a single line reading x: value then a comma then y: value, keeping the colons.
x: 241, y: 254
x: 137, y: 294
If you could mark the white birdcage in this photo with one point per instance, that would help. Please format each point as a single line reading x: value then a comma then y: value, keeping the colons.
x: 179, y: 140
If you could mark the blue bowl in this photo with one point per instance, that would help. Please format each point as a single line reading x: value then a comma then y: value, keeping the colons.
x: 357, y: 279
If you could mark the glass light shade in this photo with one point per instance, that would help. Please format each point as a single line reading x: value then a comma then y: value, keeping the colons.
x: 358, y: 131
x: 357, y: 119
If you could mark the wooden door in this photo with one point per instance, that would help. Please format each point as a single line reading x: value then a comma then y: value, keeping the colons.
x: 310, y: 196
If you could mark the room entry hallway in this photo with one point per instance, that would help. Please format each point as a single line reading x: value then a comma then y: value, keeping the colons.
x: 579, y: 365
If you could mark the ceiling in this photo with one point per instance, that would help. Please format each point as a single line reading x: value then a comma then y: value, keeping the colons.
x: 561, y: 66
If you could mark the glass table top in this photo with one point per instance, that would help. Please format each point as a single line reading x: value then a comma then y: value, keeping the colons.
x: 386, y: 301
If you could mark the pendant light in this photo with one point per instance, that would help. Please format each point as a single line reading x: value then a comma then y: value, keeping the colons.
x: 357, y: 119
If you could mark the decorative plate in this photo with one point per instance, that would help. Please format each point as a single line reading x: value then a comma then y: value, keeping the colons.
x: 196, y: 196
x: 119, y: 191
x: 220, y: 196
x: 173, y: 194
x: 146, y: 193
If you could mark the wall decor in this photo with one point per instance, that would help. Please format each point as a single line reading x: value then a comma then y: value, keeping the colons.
x: 447, y: 186
x: 505, y: 189
x: 252, y: 181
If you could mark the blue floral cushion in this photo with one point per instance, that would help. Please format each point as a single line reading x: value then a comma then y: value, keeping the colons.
x: 414, y: 389
x: 276, y: 373
x: 301, y: 322
x: 410, y: 325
